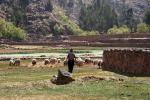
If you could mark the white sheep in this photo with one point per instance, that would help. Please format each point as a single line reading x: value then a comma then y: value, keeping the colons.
x: 46, y: 61
x: 53, y: 60
x: 11, y: 62
x: 17, y: 62
x: 34, y: 62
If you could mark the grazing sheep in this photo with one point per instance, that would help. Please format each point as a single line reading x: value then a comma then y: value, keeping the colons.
x: 46, y: 61
x: 95, y: 62
x: 53, y: 60
x: 88, y: 61
x: 17, y: 62
x: 100, y: 63
x: 34, y: 62
x: 59, y: 60
x: 11, y: 62
x: 79, y: 62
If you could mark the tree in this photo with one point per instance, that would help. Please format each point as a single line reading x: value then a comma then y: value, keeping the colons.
x: 24, y: 4
x: 99, y: 16
x: 49, y: 6
x: 147, y: 17
x: 62, y: 3
x: 0, y: 35
x: 127, y: 17
x: 71, y: 3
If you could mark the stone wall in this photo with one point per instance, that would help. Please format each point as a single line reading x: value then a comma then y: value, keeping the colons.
x: 127, y: 61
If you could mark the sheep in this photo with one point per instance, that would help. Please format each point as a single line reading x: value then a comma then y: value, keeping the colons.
x: 17, y: 62
x: 59, y: 60
x: 11, y: 62
x: 46, y: 61
x: 95, y: 62
x: 53, y: 60
x: 100, y: 63
x: 79, y: 62
x: 88, y: 61
x: 34, y: 61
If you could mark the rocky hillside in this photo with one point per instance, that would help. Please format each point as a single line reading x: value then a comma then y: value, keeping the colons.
x: 138, y: 6
x: 44, y: 17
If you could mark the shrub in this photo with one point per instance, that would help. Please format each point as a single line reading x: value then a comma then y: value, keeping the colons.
x: 121, y: 30
x: 58, y: 29
x: 9, y: 30
x: 142, y: 28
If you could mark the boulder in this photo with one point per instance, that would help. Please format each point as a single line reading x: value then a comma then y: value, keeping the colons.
x: 62, y: 78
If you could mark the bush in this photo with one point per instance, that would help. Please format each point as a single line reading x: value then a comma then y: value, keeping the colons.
x: 121, y: 30
x: 58, y: 29
x: 10, y: 31
x: 143, y: 28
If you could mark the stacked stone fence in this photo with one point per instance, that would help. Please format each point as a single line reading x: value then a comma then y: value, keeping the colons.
x: 92, y: 44
x: 126, y: 40
x: 96, y: 38
x: 135, y: 62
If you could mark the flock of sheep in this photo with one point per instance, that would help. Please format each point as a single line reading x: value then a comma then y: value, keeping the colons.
x: 79, y: 62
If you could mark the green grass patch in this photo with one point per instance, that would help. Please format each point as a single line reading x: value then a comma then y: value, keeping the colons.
x: 34, y: 82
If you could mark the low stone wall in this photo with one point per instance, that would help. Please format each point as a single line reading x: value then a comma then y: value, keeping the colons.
x: 127, y: 61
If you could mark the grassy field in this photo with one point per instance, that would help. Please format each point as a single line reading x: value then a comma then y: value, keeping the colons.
x: 26, y: 49
x: 23, y: 83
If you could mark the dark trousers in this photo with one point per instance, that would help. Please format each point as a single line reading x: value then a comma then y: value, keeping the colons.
x: 70, y: 66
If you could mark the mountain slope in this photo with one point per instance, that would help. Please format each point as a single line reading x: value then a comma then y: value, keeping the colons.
x: 39, y: 17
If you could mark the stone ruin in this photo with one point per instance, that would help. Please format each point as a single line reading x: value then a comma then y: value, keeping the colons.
x: 129, y: 61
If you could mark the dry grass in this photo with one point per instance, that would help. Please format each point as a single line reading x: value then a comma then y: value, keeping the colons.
x: 52, y: 97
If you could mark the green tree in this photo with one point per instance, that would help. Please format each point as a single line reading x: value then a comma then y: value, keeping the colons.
x: 147, y: 17
x: 49, y: 6
x: 17, y: 12
x: 24, y: 4
x: 71, y: 3
x: 99, y: 16
x: 0, y: 35
x: 63, y: 3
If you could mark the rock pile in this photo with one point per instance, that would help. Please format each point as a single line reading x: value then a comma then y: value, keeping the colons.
x: 127, y: 61
x: 62, y: 78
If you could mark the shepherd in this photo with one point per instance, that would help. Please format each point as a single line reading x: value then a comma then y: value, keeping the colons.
x: 71, y: 60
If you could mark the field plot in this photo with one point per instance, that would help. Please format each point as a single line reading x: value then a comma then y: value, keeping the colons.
x: 25, y: 51
x: 91, y: 83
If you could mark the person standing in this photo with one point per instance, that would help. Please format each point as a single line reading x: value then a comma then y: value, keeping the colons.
x: 71, y: 60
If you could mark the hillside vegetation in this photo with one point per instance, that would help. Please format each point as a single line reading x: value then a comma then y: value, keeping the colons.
x: 9, y: 30
x: 74, y: 17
